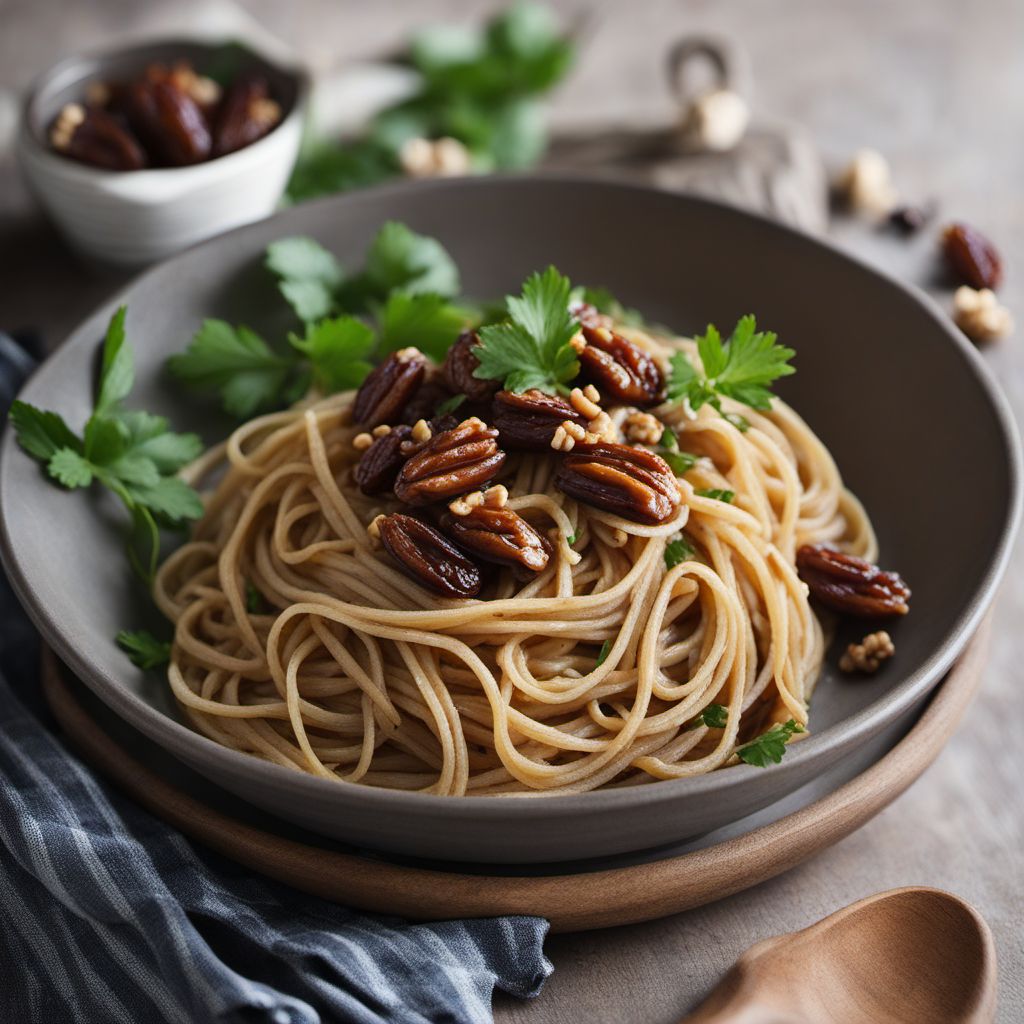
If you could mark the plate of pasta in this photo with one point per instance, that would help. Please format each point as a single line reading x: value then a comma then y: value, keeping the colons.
x: 510, y: 520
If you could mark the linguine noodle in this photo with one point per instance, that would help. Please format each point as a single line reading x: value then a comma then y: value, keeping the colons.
x: 343, y: 667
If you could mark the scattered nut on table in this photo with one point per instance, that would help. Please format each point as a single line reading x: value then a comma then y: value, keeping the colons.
x: 869, y: 654
x: 978, y: 313
x: 435, y: 158
x: 867, y: 184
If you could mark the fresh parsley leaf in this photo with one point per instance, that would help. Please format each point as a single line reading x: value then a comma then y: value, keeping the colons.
x: 741, y: 368
x: 237, y: 363
x: 130, y: 452
x: 679, y: 462
x: 741, y: 423
x: 144, y: 649
x: 714, y: 716
x: 254, y: 602
x: 718, y: 493
x: 324, y: 167
x: 428, y: 321
x: 602, y: 655
x: 572, y: 538
x: 770, y: 746
x: 401, y: 260
x: 70, y: 468
x: 42, y: 434
x: 531, y: 349
x: 677, y: 551
x: 308, y: 275
x: 449, y: 405
x: 337, y: 350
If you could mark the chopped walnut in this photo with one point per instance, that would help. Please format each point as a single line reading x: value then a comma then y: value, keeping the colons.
x: 496, y: 496
x: 602, y: 428
x: 979, y: 314
x: 716, y: 121
x: 584, y: 401
x: 382, y: 430
x: 643, y: 428
x: 373, y: 529
x: 70, y: 117
x: 867, y: 185
x: 868, y: 654
x: 578, y: 342
x: 464, y: 505
x: 563, y: 441
x: 434, y: 158
x: 362, y: 441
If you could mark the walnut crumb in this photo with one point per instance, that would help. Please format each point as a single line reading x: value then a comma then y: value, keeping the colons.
x: 979, y: 314
x: 583, y: 403
x: 643, y: 428
x: 868, y: 654
x: 421, y: 432
x: 362, y: 441
x: 381, y: 431
x: 373, y: 529
x: 602, y: 428
x: 867, y: 185
x: 496, y: 496
x: 563, y: 441
x: 70, y: 117
x: 464, y: 505
x: 578, y: 342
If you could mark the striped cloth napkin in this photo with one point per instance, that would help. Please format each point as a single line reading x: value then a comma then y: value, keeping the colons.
x: 107, y: 915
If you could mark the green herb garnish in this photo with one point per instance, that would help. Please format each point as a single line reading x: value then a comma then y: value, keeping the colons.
x: 770, y: 746
x: 605, y: 302
x: 254, y: 602
x: 677, y: 551
x: 308, y: 275
x: 679, y: 462
x: 572, y: 538
x: 531, y: 349
x: 717, y: 493
x: 143, y: 648
x: 714, y: 716
x: 338, y: 350
x: 602, y: 655
x: 132, y: 453
x: 742, y: 369
x: 449, y: 405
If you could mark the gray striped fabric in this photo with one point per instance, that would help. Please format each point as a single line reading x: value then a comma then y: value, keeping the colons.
x: 106, y: 915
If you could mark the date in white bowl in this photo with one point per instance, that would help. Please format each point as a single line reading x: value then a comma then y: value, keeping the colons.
x: 131, y: 218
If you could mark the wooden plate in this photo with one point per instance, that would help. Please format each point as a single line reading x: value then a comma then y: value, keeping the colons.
x: 572, y: 902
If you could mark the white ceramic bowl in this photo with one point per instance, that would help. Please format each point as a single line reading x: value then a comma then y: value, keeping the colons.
x: 131, y: 218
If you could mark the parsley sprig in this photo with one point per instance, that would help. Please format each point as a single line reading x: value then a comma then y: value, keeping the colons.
x: 132, y: 453
x: 531, y: 348
x: 714, y: 716
x: 678, y: 551
x: 144, y: 649
x: 679, y: 462
x: 401, y: 297
x: 770, y: 746
x: 742, y: 368
x: 717, y: 493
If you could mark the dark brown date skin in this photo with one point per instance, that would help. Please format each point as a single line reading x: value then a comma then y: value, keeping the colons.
x: 972, y: 257
x: 235, y: 125
x: 529, y: 421
x: 451, y: 463
x: 499, y: 535
x: 460, y: 366
x: 851, y: 585
x: 631, y: 482
x: 619, y: 369
x: 378, y: 467
x: 384, y: 395
x: 102, y: 141
x: 428, y: 557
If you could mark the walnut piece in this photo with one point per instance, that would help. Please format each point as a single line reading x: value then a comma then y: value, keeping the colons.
x: 869, y: 654
x: 867, y: 185
x: 980, y: 316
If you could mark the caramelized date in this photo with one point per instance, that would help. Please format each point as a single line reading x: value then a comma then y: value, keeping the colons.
x: 851, y: 585
x: 378, y: 468
x: 499, y: 535
x: 631, y: 482
x: 451, y: 463
x: 97, y: 139
x: 246, y: 114
x: 428, y: 557
x: 588, y: 315
x: 168, y: 121
x: 459, y: 367
x: 620, y: 369
x: 972, y: 257
x: 529, y: 421
x: 389, y: 388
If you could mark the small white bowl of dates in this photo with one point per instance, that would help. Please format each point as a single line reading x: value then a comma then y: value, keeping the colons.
x: 141, y: 152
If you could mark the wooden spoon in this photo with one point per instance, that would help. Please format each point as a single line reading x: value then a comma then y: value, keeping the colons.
x: 906, y: 956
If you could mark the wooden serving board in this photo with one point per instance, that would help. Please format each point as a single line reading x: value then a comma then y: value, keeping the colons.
x: 571, y: 902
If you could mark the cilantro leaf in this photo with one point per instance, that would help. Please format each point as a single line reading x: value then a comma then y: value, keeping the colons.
x: 144, y: 649
x: 770, y: 746
x: 237, y: 362
x: 337, y: 351
x: 42, y: 434
x: 531, y: 349
x: 449, y: 405
x: 308, y: 275
x: 717, y: 493
x: 401, y: 260
x: 602, y: 655
x: 69, y: 468
x: 742, y: 368
x: 677, y: 551
x: 117, y: 372
x: 679, y: 462
x: 714, y: 716
x: 426, y: 320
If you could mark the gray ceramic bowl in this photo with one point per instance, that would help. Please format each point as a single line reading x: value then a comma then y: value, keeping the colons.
x: 904, y: 403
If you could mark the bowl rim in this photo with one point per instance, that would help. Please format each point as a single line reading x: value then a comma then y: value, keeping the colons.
x: 35, y: 147
x: 190, y: 745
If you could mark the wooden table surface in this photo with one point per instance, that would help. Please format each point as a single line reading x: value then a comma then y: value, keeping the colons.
x: 936, y: 85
